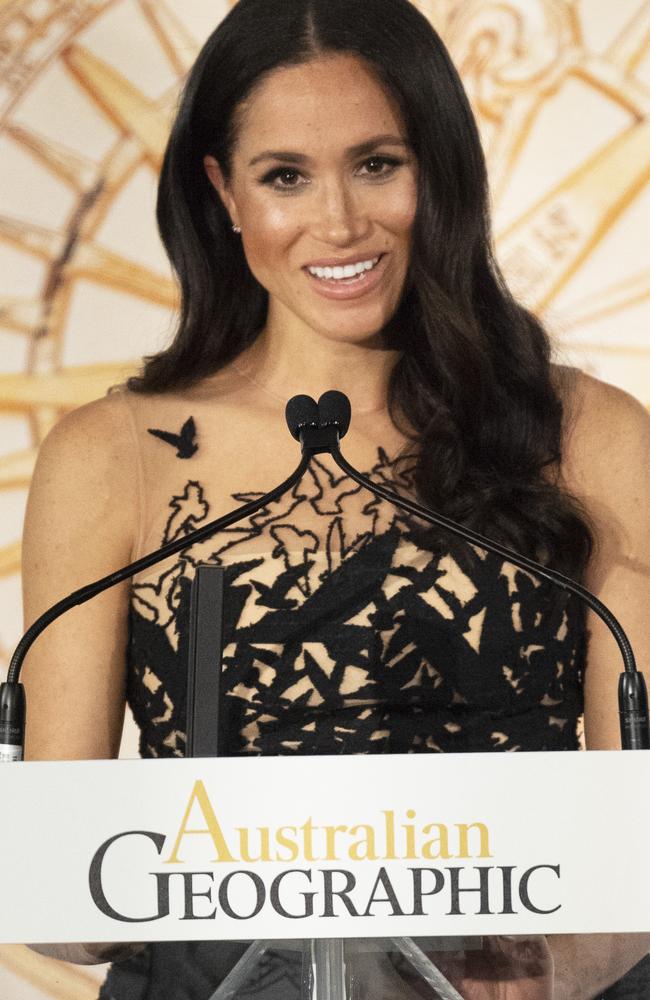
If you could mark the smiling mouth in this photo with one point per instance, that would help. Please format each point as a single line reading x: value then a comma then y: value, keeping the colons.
x: 348, y: 274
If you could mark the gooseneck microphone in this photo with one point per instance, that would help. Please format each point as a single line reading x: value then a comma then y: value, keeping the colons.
x: 334, y: 413
x: 12, y: 693
x: 319, y: 427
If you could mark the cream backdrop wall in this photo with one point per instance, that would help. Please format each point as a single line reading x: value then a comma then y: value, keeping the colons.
x: 561, y: 89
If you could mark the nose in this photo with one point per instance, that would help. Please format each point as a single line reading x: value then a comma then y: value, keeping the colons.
x: 339, y: 215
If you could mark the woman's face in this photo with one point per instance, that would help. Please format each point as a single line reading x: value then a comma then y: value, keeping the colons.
x: 324, y: 186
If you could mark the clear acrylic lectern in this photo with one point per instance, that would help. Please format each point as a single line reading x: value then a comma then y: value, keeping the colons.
x: 398, y: 968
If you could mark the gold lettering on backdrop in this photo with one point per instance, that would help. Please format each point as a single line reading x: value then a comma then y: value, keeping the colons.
x: 287, y: 842
x: 389, y: 817
x: 308, y: 831
x: 437, y: 847
x: 364, y: 848
x: 244, y: 847
x: 463, y: 835
x: 212, y: 828
x: 387, y: 841
x: 409, y: 830
x: 331, y: 853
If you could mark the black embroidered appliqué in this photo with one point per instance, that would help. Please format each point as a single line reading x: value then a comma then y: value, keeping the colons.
x: 185, y: 442
x: 343, y: 634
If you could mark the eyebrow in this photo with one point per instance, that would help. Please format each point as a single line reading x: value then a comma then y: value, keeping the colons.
x: 360, y: 150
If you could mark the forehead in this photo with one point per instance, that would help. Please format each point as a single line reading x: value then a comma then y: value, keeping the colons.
x: 331, y: 100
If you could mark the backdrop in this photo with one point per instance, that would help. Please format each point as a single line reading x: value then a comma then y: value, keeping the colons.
x: 561, y: 89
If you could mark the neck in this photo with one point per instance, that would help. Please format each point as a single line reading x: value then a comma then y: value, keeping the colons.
x: 284, y: 367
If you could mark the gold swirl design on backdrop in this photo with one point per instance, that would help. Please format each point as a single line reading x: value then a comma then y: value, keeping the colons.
x: 48, y: 387
x: 517, y: 58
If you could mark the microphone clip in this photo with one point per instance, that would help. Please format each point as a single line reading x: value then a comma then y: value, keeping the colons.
x: 315, y: 439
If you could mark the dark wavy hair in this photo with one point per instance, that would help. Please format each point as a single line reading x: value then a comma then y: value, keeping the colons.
x: 473, y: 386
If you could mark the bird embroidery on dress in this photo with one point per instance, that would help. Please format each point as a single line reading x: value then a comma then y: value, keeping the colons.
x: 348, y: 631
x: 185, y: 442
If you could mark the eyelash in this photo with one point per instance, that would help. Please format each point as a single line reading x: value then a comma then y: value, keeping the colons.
x: 274, y: 175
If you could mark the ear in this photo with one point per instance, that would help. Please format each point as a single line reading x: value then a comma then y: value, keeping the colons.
x: 215, y: 176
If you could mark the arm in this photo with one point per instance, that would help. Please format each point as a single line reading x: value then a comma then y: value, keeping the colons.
x: 80, y: 523
x: 607, y: 466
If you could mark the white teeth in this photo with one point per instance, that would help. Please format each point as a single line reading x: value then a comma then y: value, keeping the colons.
x: 346, y: 271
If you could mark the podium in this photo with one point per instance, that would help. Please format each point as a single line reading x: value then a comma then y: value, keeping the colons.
x: 340, y: 969
x: 379, y: 968
x: 326, y: 968
x: 376, y: 852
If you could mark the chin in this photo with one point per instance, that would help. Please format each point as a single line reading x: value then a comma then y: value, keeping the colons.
x: 368, y: 338
x: 347, y: 331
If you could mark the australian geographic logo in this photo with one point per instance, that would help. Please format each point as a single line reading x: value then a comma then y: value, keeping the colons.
x: 363, y: 870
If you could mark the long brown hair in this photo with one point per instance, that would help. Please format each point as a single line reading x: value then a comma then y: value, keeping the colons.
x: 474, y: 382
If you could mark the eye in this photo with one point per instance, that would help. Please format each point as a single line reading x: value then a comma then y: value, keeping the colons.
x: 381, y: 166
x: 282, y: 179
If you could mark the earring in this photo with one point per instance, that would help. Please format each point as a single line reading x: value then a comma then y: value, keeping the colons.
x: 236, y: 229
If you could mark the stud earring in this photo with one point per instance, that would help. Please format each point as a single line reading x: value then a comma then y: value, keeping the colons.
x: 236, y: 229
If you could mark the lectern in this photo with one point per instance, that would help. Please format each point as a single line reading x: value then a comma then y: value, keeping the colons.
x: 325, y: 969
x: 169, y: 851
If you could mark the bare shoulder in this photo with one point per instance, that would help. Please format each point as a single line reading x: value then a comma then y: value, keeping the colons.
x: 86, y: 476
x: 101, y: 428
x: 607, y: 438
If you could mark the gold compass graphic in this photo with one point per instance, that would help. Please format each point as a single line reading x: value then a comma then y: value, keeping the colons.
x: 561, y: 89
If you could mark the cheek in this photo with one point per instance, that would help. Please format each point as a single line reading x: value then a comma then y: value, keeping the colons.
x: 392, y: 210
x: 402, y: 209
x: 268, y: 226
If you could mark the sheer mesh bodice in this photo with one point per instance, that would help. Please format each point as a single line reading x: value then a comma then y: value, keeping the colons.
x: 346, y: 632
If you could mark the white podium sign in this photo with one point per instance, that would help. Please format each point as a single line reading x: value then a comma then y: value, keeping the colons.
x: 322, y: 847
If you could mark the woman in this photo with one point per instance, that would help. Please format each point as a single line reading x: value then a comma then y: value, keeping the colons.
x: 323, y: 201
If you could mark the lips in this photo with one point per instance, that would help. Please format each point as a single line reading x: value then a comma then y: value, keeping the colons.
x: 347, y: 287
x: 343, y: 261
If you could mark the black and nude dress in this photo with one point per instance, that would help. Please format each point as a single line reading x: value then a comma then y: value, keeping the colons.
x: 344, y: 632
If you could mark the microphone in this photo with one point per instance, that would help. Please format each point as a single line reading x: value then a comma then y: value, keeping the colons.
x: 301, y: 412
x: 334, y: 414
x: 12, y: 722
x: 334, y: 410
